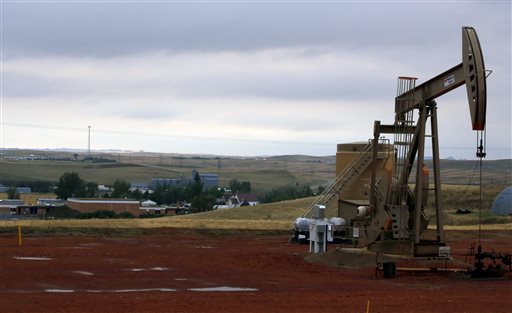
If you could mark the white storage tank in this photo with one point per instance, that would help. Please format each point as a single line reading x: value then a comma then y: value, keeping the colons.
x: 302, y: 224
x: 337, y: 223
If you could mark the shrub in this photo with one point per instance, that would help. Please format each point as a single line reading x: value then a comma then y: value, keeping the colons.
x: 147, y: 215
x: 105, y: 214
x: 125, y: 215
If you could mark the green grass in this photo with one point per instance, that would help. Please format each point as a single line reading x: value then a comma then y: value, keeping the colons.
x: 280, y: 211
x: 27, y: 171
x: 464, y: 172
x: 261, y: 174
x: 263, y: 217
x: 456, y: 197
x: 264, y: 174
x: 259, y: 179
x: 459, y: 196
x: 287, y: 211
x: 452, y: 218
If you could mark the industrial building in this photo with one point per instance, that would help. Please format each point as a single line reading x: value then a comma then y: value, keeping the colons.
x: 156, y: 181
x: 18, y: 189
x: 94, y: 204
x: 10, y: 206
x: 207, y: 179
x: 50, y: 202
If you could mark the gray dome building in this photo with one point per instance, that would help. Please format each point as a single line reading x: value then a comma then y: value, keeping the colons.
x: 503, y: 203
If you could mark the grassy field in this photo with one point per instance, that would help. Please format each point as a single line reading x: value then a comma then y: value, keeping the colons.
x: 263, y: 172
x: 272, y: 216
x: 153, y: 223
x: 193, y: 223
x: 282, y: 211
x: 27, y: 171
x: 456, y: 196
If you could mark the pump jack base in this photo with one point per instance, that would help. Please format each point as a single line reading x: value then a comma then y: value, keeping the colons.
x: 407, y: 248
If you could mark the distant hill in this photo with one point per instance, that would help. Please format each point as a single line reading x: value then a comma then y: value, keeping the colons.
x: 20, y: 167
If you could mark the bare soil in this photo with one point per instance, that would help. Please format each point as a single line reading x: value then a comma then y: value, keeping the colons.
x: 170, y: 270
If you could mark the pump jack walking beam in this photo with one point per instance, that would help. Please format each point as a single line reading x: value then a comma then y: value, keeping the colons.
x: 470, y: 72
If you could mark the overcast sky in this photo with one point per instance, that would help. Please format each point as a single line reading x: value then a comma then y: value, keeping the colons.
x: 240, y: 78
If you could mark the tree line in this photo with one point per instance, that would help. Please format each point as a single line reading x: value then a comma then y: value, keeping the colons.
x: 70, y: 185
x: 288, y: 192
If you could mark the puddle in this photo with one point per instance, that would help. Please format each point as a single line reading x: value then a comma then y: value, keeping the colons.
x: 59, y: 290
x: 207, y: 289
x: 29, y: 258
x: 180, y: 279
x: 111, y: 290
x: 132, y: 290
x: 223, y: 289
x: 83, y: 273
x: 158, y: 269
x: 90, y: 244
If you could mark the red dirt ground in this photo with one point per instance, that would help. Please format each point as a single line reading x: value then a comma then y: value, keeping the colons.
x: 157, y: 272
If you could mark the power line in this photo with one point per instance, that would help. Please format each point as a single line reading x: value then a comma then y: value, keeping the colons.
x: 195, y: 137
x: 146, y: 134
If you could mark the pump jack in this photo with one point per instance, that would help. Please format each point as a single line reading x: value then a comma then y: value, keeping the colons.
x: 409, y: 146
x: 393, y: 219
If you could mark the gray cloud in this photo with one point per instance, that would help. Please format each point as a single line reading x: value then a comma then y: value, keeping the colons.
x: 106, y: 29
x: 301, y: 72
x: 274, y: 74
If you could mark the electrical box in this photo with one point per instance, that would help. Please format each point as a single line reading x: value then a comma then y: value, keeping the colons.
x: 317, y: 236
x: 318, y: 211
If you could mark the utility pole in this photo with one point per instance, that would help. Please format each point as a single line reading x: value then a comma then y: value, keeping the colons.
x: 89, y: 143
